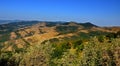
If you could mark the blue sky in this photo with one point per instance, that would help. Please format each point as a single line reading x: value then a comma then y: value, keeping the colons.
x: 99, y: 12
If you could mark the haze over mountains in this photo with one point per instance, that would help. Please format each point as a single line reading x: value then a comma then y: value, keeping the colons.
x: 10, y: 21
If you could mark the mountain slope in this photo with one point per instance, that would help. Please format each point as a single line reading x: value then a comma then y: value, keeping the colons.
x: 58, y: 43
x: 23, y: 33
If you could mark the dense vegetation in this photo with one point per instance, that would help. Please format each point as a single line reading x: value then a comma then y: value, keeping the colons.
x: 66, y: 29
x: 88, y: 25
x: 69, y: 52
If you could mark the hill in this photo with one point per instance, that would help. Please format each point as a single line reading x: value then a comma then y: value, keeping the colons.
x: 19, y: 39
x: 29, y: 32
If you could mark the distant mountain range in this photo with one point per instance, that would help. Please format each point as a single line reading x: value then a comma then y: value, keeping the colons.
x: 12, y: 25
x: 8, y: 21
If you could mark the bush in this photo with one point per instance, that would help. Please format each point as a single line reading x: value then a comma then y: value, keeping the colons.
x: 59, y: 49
x: 101, y: 38
x: 90, y: 53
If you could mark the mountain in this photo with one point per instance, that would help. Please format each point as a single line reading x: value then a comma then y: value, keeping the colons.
x: 8, y: 21
x: 26, y: 37
x: 28, y: 30
x: 88, y: 24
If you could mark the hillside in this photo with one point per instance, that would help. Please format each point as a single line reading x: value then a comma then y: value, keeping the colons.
x: 29, y: 42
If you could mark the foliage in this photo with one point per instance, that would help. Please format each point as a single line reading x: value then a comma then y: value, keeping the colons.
x: 101, y: 38
x: 97, y: 54
x: 72, y: 51
x: 4, y: 37
x: 88, y: 25
x: 66, y: 29
x: 59, y: 49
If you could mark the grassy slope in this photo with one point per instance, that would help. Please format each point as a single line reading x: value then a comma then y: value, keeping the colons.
x: 81, y: 49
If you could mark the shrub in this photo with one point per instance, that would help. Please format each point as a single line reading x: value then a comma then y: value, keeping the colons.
x: 90, y: 53
x: 101, y: 38
x: 59, y: 49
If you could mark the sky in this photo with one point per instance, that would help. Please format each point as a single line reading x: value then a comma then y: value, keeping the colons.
x: 99, y: 12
